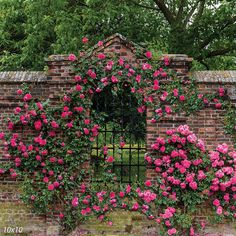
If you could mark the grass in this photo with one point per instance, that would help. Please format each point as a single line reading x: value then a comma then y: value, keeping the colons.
x: 129, y: 160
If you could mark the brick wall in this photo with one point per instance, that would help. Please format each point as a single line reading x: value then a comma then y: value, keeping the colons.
x: 206, y: 123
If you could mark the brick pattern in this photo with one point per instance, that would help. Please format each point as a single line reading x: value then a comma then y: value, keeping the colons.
x: 53, y: 84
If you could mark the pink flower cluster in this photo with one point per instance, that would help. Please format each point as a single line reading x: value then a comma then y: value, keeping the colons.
x: 179, y: 161
x: 223, y: 185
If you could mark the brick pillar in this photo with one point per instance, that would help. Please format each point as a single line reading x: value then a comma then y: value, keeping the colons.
x: 181, y: 63
x: 59, y: 68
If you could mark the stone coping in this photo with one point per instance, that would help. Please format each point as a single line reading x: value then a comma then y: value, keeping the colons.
x: 41, y: 76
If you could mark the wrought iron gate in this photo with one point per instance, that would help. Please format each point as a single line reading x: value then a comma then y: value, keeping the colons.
x: 122, y: 133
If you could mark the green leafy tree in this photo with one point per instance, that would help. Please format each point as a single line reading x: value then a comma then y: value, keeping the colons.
x: 33, y: 29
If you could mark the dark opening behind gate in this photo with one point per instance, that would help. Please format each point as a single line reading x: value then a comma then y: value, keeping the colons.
x: 122, y: 132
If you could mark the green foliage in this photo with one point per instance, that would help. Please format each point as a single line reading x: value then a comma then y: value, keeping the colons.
x: 32, y: 30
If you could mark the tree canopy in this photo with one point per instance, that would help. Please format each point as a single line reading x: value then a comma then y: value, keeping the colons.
x: 30, y: 30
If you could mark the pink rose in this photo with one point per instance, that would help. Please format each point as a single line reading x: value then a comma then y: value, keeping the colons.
x: 176, y: 92
x: 45, y: 179
x: 110, y: 159
x: 19, y: 92
x: 51, y: 187
x: 191, y: 233
x: 221, y: 91
x: 193, y: 185
x: 38, y: 125
x: 75, y: 202
x: 135, y: 206
x: 171, y: 231
x: 148, y: 54
x: 2, y: 135
x: 219, y: 210
x: 27, y: 97
x: 216, y: 202
x: 218, y: 105
x: 148, y: 183
x: 101, y: 56
x: 100, y: 43
x: 182, y: 98
x: 72, y: 57
x: 85, y: 40
x: 54, y: 124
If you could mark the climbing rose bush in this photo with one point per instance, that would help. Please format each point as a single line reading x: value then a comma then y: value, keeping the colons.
x: 223, y: 184
x: 48, y: 147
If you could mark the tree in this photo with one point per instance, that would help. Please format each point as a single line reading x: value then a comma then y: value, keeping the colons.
x: 31, y: 30
x: 202, y: 29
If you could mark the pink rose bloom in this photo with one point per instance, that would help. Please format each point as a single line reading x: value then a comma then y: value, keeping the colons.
x: 45, y: 179
x: 223, y: 148
x: 166, y: 61
x: 72, y: 57
x: 101, y: 56
x: 60, y: 161
x: 110, y: 223
x: 2, y: 134
x: 182, y: 98
x: 226, y: 197
x: 17, y: 110
x: 56, y: 184
x: 38, y: 125
x: 79, y: 109
x: 186, y: 163
x: 168, y: 109
x: 221, y: 91
x: 183, y: 185
x: 191, y: 233
x: 201, y: 175
x: 75, y: 202
x: 78, y: 88
x: 110, y: 159
x: 148, y: 183
x: 146, y: 66
x: 192, y: 138
x: 19, y: 92
x: 39, y: 105
x: 218, y: 105
x: 167, y: 223
x: 176, y: 92
x: 121, y: 62
x: 70, y: 124
x: 54, y: 124
x: 27, y: 97
x: 219, y: 210
x: 51, y: 187
x: 216, y: 202
x: 135, y: 206
x: 203, y: 224
x: 148, y: 54
x: 148, y: 159
x: 171, y: 231
x: 193, y: 185
x: 114, y: 79
x: 128, y: 189
x: 100, y: 43
x: 163, y: 74
x: 85, y: 40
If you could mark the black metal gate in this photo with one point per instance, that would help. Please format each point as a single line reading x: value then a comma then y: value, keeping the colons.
x: 122, y: 133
